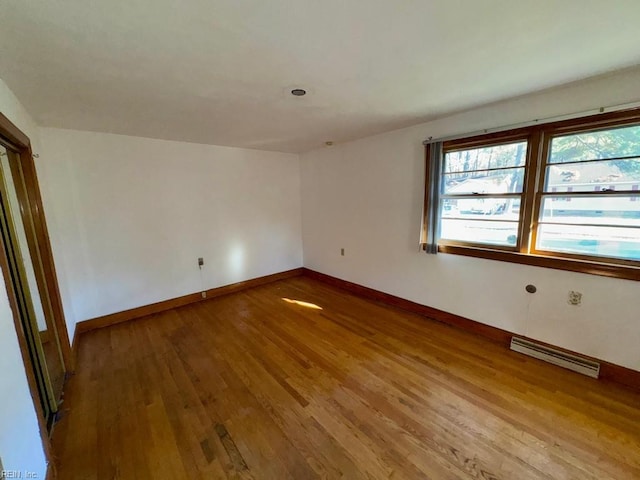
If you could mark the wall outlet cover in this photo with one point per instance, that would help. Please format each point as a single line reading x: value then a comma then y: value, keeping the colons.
x: 575, y: 298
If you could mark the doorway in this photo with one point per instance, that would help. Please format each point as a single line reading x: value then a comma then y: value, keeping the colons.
x: 29, y: 275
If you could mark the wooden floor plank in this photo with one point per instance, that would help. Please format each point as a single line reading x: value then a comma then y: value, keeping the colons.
x: 300, y: 380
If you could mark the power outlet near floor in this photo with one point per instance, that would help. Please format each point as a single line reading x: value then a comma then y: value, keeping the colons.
x: 574, y: 298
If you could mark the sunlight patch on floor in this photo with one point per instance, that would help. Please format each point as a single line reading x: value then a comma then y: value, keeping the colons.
x: 303, y: 304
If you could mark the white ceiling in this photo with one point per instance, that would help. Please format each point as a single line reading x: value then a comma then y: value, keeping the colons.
x: 219, y: 71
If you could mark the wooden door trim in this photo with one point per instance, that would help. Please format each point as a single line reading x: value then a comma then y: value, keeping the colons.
x: 13, y: 134
x: 24, y: 350
x: 29, y: 195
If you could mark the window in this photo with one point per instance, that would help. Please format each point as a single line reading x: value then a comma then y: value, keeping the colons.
x: 481, y: 193
x: 563, y: 195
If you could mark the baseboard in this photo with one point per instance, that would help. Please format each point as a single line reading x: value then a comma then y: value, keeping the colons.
x: 74, y: 350
x: 608, y: 371
x: 139, y: 312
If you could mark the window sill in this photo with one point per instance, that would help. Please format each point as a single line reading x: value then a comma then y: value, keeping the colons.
x: 573, y: 265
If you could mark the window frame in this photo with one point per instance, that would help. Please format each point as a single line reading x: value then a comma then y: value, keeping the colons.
x: 539, y: 139
x: 501, y: 138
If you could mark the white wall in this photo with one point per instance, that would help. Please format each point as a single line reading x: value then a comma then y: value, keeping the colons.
x: 20, y: 441
x: 132, y: 215
x: 366, y: 196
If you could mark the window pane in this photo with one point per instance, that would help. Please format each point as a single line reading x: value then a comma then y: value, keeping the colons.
x: 594, y: 176
x: 493, y: 181
x: 497, y: 208
x: 613, y: 143
x: 617, y: 242
x: 483, y: 158
x: 479, y: 231
x: 592, y: 209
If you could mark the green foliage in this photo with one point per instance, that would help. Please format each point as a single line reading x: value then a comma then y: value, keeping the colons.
x: 600, y: 145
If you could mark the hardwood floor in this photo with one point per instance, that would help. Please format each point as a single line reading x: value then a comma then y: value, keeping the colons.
x: 252, y: 386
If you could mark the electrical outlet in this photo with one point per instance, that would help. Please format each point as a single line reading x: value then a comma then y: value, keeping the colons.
x: 204, y: 294
x: 574, y: 298
x: 200, y: 261
x: 342, y: 252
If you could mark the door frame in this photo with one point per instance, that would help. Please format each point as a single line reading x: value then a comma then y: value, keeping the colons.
x: 32, y: 213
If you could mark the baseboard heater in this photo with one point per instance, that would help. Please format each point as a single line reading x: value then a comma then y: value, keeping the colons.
x: 556, y: 357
